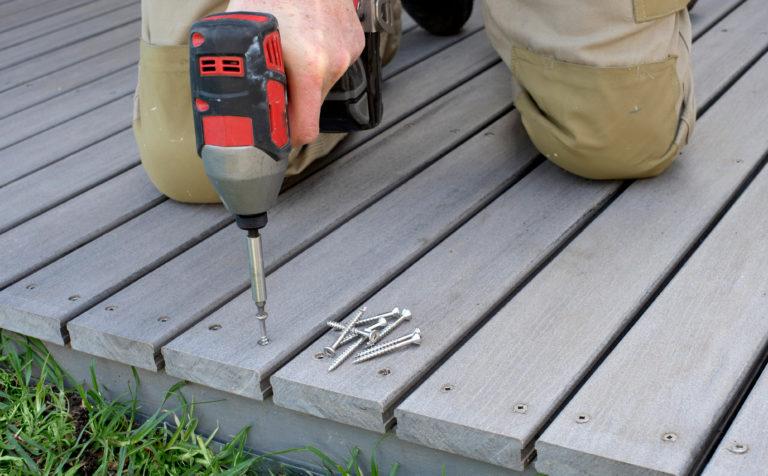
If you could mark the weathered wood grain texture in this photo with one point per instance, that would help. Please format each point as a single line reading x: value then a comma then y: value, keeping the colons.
x: 541, y: 344
x: 18, y: 20
x: 407, y: 92
x: 330, y: 278
x: 31, y: 121
x: 49, y: 23
x: 449, y: 291
x: 42, y: 89
x: 50, y: 63
x: 67, y: 178
x: 45, y: 238
x: 303, y: 215
x: 70, y: 137
x: 681, y: 367
x: 74, y: 283
x: 419, y: 43
x: 70, y: 35
x: 748, y: 431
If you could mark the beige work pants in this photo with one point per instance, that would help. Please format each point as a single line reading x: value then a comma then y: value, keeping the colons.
x: 162, y: 113
x: 604, y: 87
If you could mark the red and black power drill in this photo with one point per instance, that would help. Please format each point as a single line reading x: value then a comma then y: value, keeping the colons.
x: 240, y: 104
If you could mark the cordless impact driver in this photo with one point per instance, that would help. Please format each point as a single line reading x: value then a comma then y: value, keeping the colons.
x: 240, y: 107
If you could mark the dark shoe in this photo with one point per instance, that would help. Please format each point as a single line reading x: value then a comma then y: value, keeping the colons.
x: 439, y: 17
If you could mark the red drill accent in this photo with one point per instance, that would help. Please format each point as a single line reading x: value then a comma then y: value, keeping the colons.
x: 228, y: 131
x: 273, y: 52
x: 221, y: 66
x: 201, y: 105
x: 278, y: 117
x: 197, y: 39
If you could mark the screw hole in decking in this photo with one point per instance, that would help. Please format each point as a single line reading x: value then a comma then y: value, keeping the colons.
x: 521, y: 408
x: 737, y: 448
x: 214, y: 327
x: 384, y: 372
x: 319, y: 356
x: 583, y: 418
x: 110, y: 308
x: 31, y: 286
x: 163, y: 319
x: 447, y: 387
x: 74, y: 297
x: 669, y: 437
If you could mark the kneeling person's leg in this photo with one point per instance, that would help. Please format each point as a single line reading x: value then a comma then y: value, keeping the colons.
x: 604, y: 88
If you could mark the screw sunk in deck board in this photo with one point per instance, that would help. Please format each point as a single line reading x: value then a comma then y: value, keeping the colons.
x: 737, y: 448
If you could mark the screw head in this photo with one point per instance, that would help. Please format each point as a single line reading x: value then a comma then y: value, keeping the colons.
x: 384, y: 372
x: 520, y: 408
x: 669, y: 436
x: 163, y: 319
x: 406, y: 315
x: 737, y: 448
x: 447, y: 387
x: 110, y: 308
x: 329, y: 351
x: 319, y: 356
x: 31, y: 286
x: 582, y: 418
x: 74, y: 297
x: 214, y: 327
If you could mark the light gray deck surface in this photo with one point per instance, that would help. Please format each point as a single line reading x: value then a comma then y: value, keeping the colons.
x: 587, y: 327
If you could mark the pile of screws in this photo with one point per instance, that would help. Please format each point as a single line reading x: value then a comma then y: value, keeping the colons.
x: 370, y: 331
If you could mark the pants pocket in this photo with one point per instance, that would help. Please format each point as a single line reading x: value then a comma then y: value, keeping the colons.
x: 647, y: 10
x: 602, y: 123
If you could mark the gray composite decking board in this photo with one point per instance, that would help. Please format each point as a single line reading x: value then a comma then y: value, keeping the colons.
x: 449, y: 291
x: 69, y: 138
x: 408, y: 23
x: 302, y: 215
x: 19, y: 20
x: 53, y: 61
x: 340, y: 396
x: 55, y: 41
x: 50, y: 23
x: 16, y: 6
x: 548, y: 337
x: 749, y: 429
x: 312, y: 199
x: 271, y: 428
x: 420, y: 41
x: 29, y: 122
x: 317, y: 286
x: 105, y: 265
x: 706, y: 13
x: 45, y: 238
x: 79, y: 74
x: 52, y: 185
x: 698, y: 341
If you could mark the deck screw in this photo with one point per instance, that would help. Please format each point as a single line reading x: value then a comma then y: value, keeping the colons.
x: 582, y: 418
x: 31, y: 286
x: 331, y: 350
x: 163, y: 318
x: 110, y: 308
x: 74, y: 297
x: 372, y: 335
x: 384, y: 372
x: 737, y: 448
x: 374, y: 319
x: 345, y: 355
x: 669, y: 436
x: 521, y: 408
x: 447, y: 387
x: 319, y: 356
x: 413, y: 339
x: 386, y: 345
x: 404, y: 316
x: 214, y: 327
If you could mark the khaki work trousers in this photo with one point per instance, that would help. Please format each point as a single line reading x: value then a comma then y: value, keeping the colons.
x: 604, y: 88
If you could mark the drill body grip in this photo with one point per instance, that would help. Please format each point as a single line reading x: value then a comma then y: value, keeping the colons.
x: 238, y: 82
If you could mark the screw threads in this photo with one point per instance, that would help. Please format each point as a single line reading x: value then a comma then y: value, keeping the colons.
x: 387, y: 344
x: 411, y: 339
x: 330, y: 351
x: 373, y: 319
x: 404, y: 316
x: 345, y: 355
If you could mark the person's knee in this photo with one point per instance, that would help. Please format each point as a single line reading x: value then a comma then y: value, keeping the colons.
x: 603, y: 123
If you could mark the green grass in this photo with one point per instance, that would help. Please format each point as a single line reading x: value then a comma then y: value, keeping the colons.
x: 50, y: 429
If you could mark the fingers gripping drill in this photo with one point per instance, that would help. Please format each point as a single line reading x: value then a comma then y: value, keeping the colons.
x: 240, y: 107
